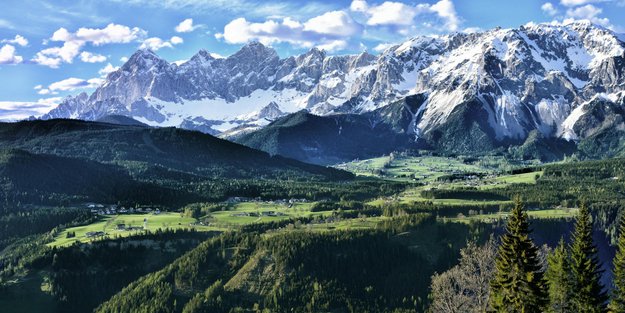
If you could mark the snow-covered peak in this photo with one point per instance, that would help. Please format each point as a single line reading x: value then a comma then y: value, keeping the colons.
x: 514, y: 80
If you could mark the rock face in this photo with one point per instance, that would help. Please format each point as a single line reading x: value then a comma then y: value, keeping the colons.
x: 498, y: 85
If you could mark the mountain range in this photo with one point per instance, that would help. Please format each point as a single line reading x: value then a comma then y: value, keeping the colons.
x: 462, y: 92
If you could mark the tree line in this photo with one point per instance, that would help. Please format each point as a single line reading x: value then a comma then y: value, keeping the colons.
x: 516, y: 275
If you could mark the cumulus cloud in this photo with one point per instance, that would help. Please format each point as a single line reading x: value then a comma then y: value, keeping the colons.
x: 72, y: 83
x: 573, y: 3
x: 329, y: 30
x: 335, y: 23
x: 89, y: 57
x: 15, y: 111
x: 18, y: 40
x: 391, y: 13
x: 9, y: 56
x: 383, y: 46
x: 74, y: 42
x: 109, y: 68
x: 589, y: 12
x: 155, y: 43
x: 186, y: 26
x: 447, y: 11
x: 359, y: 6
x: 334, y: 45
x: 176, y: 40
x: 549, y: 9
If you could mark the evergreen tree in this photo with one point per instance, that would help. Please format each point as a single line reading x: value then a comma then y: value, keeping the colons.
x: 617, y: 305
x: 588, y: 295
x: 559, y: 280
x: 519, y: 285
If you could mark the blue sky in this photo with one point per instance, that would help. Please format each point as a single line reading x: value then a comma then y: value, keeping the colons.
x: 51, y: 49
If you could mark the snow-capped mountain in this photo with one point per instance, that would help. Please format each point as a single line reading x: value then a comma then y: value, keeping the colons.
x: 504, y: 82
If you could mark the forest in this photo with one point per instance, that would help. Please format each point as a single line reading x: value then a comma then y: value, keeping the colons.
x: 278, y: 235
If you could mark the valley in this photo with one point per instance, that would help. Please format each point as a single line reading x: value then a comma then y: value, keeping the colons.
x: 381, y: 157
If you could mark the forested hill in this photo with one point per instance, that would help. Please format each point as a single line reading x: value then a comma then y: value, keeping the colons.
x: 177, y: 149
x: 42, y: 159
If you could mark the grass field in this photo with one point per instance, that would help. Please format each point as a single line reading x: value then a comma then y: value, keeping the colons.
x: 217, y: 221
x: 233, y: 216
x: 236, y: 215
x: 550, y: 213
x: 423, y: 169
x: 108, y: 225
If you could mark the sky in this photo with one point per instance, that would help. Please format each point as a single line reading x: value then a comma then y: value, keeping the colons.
x: 50, y: 49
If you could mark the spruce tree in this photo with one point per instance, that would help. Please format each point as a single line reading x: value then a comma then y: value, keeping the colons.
x: 519, y: 285
x: 559, y: 281
x: 588, y: 295
x: 617, y: 305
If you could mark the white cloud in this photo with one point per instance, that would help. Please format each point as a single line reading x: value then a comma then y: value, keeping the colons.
x: 8, y: 55
x: 53, y: 57
x: 336, y: 23
x: 472, y: 30
x: 549, y: 9
x: 73, y: 83
x: 74, y: 42
x: 89, y: 57
x: 186, y: 26
x: 18, y: 40
x: 573, y: 3
x: 383, y: 46
x: 15, y: 110
x: 112, y: 33
x: 123, y: 59
x: 591, y: 13
x: 109, y: 68
x: 330, y: 30
x: 38, y: 87
x: 333, y: 46
x: 391, y: 13
x: 155, y: 43
x: 359, y: 6
x: 176, y: 40
x: 446, y: 10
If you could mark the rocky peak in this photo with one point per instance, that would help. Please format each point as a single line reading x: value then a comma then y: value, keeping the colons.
x: 254, y: 52
x: 142, y: 60
x: 270, y: 112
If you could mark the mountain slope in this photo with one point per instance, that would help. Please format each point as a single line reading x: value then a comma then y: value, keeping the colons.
x: 177, y: 149
x: 482, y: 90
x: 140, y: 165
x: 338, y: 138
x: 42, y: 178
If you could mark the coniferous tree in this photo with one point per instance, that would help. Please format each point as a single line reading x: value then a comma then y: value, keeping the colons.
x: 617, y: 305
x: 559, y: 280
x: 519, y: 285
x: 588, y: 294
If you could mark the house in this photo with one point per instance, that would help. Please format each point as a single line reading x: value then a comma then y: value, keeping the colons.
x: 93, y: 234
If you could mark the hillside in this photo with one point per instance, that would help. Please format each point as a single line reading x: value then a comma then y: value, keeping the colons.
x: 338, y: 138
x: 480, y: 91
x: 151, y: 165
